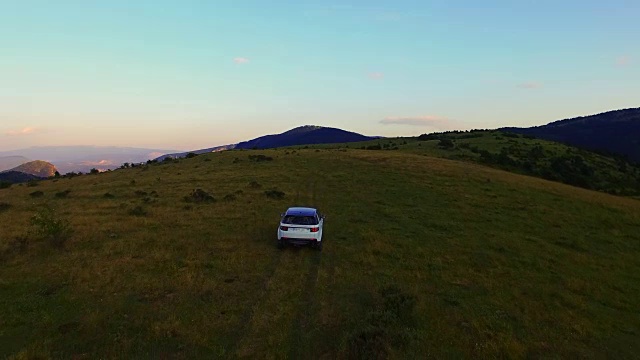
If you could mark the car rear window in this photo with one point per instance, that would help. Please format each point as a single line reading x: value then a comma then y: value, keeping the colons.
x: 300, y: 220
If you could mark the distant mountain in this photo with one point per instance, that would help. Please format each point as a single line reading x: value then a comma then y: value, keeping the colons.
x: 303, y: 135
x: 32, y: 170
x: 37, y: 168
x: 616, y: 132
x: 9, y: 162
x: 85, y: 158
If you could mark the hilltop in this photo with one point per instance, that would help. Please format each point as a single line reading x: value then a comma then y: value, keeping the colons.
x: 302, y: 135
x: 32, y: 170
x: 37, y: 168
x: 423, y: 255
x: 614, y: 132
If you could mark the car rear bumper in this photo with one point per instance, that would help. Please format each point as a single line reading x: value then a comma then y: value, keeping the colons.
x: 298, y: 241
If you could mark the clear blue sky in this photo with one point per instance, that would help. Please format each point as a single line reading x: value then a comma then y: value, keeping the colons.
x: 191, y: 74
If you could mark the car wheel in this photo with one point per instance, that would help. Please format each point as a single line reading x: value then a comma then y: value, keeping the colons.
x: 319, y: 246
x: 281, y: 244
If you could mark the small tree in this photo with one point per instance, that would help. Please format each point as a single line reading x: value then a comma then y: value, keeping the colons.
x: 47, y: 226
x: 445, y: 143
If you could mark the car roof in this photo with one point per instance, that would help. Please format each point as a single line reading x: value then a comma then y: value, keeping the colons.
x: 301, y: 211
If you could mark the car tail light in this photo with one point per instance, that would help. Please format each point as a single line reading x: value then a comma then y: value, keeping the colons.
x: 284, y: 228
x: 315, y: 229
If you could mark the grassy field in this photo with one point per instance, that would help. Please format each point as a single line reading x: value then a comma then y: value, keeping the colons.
x: 423, y: 256
x: 521, y: 154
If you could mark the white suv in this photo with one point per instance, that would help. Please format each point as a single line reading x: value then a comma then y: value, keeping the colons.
x: 301, y: 226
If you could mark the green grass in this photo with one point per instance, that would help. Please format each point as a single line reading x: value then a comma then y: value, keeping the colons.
x: 423, y: 257
x: 521, y: 154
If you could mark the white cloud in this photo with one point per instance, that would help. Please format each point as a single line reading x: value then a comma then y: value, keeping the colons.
x: 428, y: 120
x: 376, y: 75
x: 240, y: 60
x: 531, y: 85
x: 624, y: 60
x: 20, y: 132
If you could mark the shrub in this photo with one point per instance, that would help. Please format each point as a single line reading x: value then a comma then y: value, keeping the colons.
x: 140, y: 193
x: 260, y: 158
x: 229, y: 197
x: 108, y: 196
x: 199, y: 196
x: 4, y: 206
x: 138, y: 211
x: 63, y: 194
x: 446, y: 144
x: 94, y: 171
x: 5, y: 184
x: 36, y: 194
x: 47, y: 226
x: 255, y: 185
x: 274, y: 194
x: 191, y: 155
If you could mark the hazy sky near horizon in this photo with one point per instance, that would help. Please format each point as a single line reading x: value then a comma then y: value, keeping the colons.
x: 193, y: 74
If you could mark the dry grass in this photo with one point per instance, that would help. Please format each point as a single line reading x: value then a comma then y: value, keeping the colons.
x: 500, y: 265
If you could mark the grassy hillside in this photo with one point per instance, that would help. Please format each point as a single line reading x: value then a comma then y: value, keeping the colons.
x: 522, y: 154
x: 423, y: 255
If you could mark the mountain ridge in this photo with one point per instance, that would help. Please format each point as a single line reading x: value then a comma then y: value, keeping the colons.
x: 301, y: 135
x: 85, y: 157
x: 614, y: 132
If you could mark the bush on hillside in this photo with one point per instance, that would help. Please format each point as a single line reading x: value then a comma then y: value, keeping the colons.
x: 260, y: 158
x: 274, y: 194
x: 4, y: 206
x: 36, y: 194
x: 63, y: 194
x: 445, y: 143
x: 5, y: 184
x: 199, y: 196
x: 138, y: 211
x: 49, y: 227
